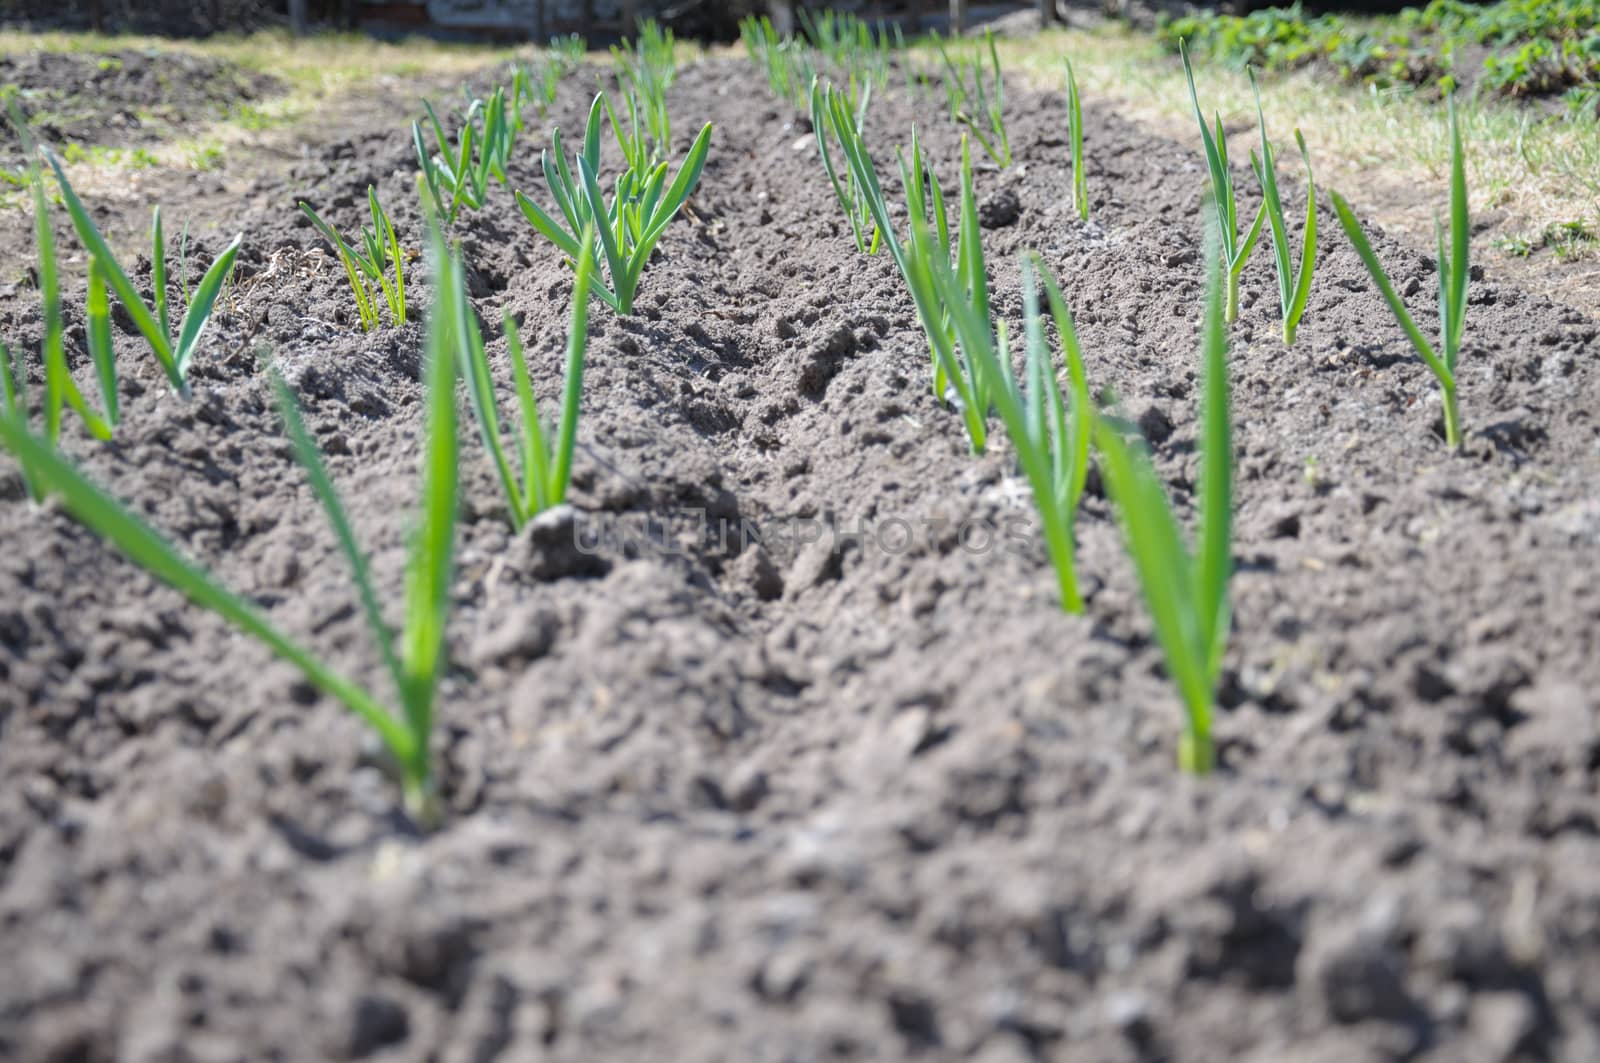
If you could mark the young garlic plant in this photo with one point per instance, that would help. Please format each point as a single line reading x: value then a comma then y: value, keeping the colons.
x: 1187, y: 594
x: 1235, y: 251
x: 956, y: 377
x: 925, y: 201
x: 540, y: 85
x: 174, y: 352
x: 460, y: 178
x: 416, y: 661
x: 546, y: 459
x: 848, y: 192
x: 380, y: 249
x: 60, y: 390
x: 960, y: 372
x: 790, y: 67
x: 646, y: 69
x: 632, y: 223
x: 851, y: 45
x: 1080, y: 180
x: 1051, y: 436
x: 1294, y: 284
x: 979, y: 107
x: 1454, y: 270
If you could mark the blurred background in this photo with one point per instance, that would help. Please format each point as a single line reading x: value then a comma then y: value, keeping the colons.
x: 513, y: 20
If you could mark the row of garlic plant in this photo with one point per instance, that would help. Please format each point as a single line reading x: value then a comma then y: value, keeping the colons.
x: 975, y: 95
x: 1186, y: 593
x: 620, y: 233
x: 1051, y: 431
x: 1294, y: 279
x: 416, y: 660
x: 965, y: 80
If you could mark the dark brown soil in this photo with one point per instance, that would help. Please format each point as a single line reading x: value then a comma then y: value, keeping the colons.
x: 127, y: 98
x: 853, y: 798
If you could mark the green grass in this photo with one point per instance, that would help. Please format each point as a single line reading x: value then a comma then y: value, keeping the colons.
x: 1568, y: 240
x: 131, y: 159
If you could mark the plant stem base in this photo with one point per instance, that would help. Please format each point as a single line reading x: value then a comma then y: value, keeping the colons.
x: 1452, y: 420
x: 1196, y: 754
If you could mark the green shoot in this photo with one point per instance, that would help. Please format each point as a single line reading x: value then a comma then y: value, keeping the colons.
x: 540, y: 88
x: 460, y: 177
x: 968, y: 375
x: 542, y: 93
x: 97, y: 329
x: 1051, y: 437
x: 567, y: 51
x: 417, y: 663
x: 790, y: 66
x: 633, y: 140
x: 60, y: 391
x: 631, y: 224
x: 546, y: 460
x: 183, y: 265
x: 848, y: 192
x: 1080, y: 180
x: 14, y: 407
x: 1052, y: 440
x: 956, y: 377
x: 174, y: 353
x: 925, y: 202
x: 954, y: 83
x: 1235, y: 251
x: 1454, y: 268
x: 1187, y: 594
x: 979, y: 107
x: 646, y: 68
x: 1294, y: 286
x: 380, y: 248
